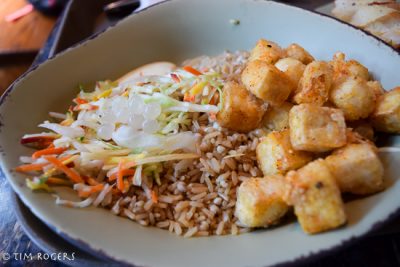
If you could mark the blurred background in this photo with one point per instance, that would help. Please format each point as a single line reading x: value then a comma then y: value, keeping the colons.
x: 26, y: 25
x: 20, y: 39
x: 33, y: 30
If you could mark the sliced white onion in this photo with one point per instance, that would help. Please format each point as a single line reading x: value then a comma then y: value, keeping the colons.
x: 137, y: 178
x: 127, y: 137
x: 190, y: 107
x: 86, y: 123
x: 105, y: 131
x: 136, y: 104
x: 184, y: 140
x: 25, y: 159
x: 64, y: 141
x: 80, y: 147
x: 136, y: 121
x: 80, y: 204
x: 40, y: 135
x: 120, y: 108
x: 107, y: 188
x: 150, y: 126
x: 152, y: 110
x: 71, y: 132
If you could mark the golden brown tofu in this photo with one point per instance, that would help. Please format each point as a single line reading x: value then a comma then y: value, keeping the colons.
x: 386, y: 117
x: 363, y: 128
x: 376, y: 87
x: 266, y: 82
x: 241, y: 111
x: 276, y: 155
x: 354, y: 137
x: 354, y: 97
x: 297, y: 52
x: 259, y: 201
x: 343, y: 69
x: 357, y: 169
x: 293, y: 68
x: 277, y: 118
x: 313, y: 192
x: 315, y: 84
x: 267, y: 51
x: 316, y: 129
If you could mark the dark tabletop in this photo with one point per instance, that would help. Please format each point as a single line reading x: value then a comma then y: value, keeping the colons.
x: 378, y: 249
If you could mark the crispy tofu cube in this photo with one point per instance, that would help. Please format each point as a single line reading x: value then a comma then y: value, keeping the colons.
x: 343, y: 69
x: 357, y: 169
x: 386, y: 117
x: 293, y: 68
x: 363, y: 128
x: 316, y: 129
x: 241, y: 111
x: 266, y: 82
x: 267, y: 51
x: 354, y: 97
x: 277, y: 118
x: 259, y: 201
x: 297, y: 52
x: 376, y: 88
x: 315, y: 84
x: 313, y: 192
x: 276, y: 155
x: 353, y: 137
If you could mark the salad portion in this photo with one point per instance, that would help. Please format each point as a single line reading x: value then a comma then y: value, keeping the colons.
x: 121, y: 131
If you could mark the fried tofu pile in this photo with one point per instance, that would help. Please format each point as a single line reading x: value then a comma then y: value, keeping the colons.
x: 319, y: 119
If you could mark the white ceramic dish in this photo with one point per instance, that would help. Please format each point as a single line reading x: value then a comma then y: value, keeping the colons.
x: 173, y: 31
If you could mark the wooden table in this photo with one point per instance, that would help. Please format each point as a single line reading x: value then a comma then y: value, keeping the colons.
x: 27, y: 34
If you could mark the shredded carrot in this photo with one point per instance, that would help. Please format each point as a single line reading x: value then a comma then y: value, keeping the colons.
x: 36, y: 166
x: 51, y: 145
x: 214, y: 99
x: 93, y: 189
x: 115, y: 192
x: 74, y: 176
x: 91, y: 181
x: 80, y: 101
x: 120, y: 177
x: 154, y: 196
x: 57, y: 181
x: 48, y: 151
x: 125, y: 172
x: 188, y: 98
x: 192, y: 70
x: 31, y: 167
x: 126, y: 185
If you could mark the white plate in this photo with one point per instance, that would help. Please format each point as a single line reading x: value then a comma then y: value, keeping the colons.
x: 173, y: 31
